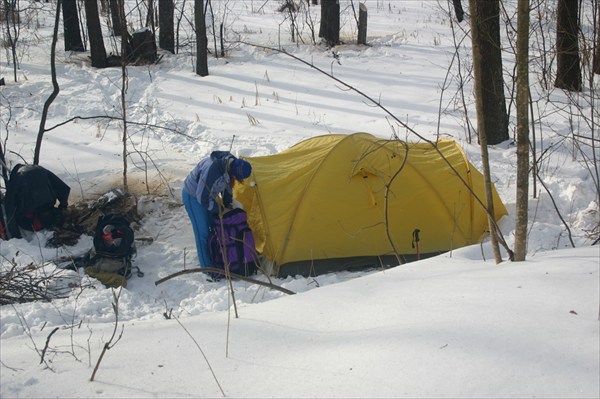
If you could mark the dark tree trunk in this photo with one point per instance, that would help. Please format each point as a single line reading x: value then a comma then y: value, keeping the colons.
x: 115, y: 17
x: 460, y: 13
x: 166, y: 32
x: 596, y: 66
x: 97, y: 49
x: 330, y: 22
x: 201, y: 39
x: 72, y: 33
x: 150, y: 21
x: 487, y: 66
x: 323, y: 22
x: 55, y: 89
x: 568, y: 70
x: 362, y: 24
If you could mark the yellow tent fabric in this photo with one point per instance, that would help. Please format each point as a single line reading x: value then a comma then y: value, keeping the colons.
x: 345, y: 196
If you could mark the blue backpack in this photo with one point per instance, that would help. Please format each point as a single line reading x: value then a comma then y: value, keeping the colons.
x: 231, y: 243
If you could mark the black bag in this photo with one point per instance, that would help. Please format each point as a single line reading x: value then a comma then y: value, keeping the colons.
x: 114, y: 246
x: 32, y: 193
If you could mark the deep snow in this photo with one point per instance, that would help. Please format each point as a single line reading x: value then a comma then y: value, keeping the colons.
x: 452, y: 326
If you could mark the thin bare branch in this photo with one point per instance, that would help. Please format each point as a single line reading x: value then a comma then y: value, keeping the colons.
x: 221, y: 271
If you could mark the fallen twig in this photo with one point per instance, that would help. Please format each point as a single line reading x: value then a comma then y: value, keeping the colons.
x: 46, y: 346
x: 221, y: 271
x: 110, y: 344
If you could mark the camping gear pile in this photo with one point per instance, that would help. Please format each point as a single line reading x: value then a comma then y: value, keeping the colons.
x: 37, y: 199
x: 329, y: 203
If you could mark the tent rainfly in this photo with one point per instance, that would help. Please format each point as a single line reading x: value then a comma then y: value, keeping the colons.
x: 338, y: 202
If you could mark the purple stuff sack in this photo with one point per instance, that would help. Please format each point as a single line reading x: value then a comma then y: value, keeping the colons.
x: 231, y: 243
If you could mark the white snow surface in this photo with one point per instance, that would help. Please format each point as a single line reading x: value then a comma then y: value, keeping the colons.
x: 456, y: 325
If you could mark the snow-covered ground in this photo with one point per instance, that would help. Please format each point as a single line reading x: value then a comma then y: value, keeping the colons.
x: 457, y: 325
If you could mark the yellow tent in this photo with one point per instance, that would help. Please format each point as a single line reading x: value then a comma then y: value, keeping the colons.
x: 340, y: 201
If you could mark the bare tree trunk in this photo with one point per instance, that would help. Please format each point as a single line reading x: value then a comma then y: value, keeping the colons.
x: 596, y: 67
x: 212, y: 19
x: 115, y: 17
x: 97, y: 49
x: 166, y: 33
x: 482, y: 126
x: 487, y: 69
x: 460, y: 14
x: 222, y: 40
x: 520, y: 249
x: 150, y: 21
x: 362, y: 24
x: 124, y: 86
x: 72, y: 33
x: 330, y: 22
x: 180, y: 17
x: 12, y: 18
x: 55, y: 88
x: 201, y: 39
x: 568, y: 69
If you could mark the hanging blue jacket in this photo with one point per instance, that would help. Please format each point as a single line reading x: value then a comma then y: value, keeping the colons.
x: 210, y: 179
